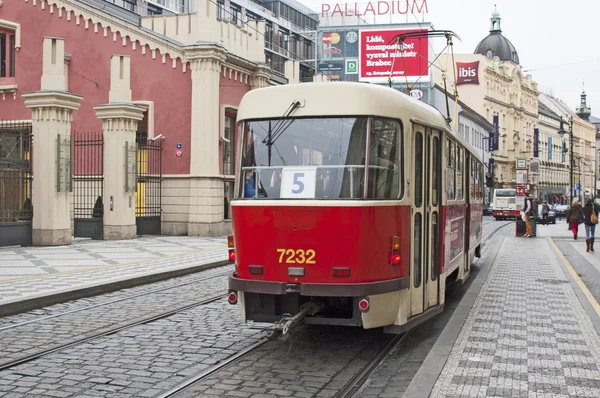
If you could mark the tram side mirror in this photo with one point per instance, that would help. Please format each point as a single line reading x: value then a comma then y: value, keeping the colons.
x: 489, y: 182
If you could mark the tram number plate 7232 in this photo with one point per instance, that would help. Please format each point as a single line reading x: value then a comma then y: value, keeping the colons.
x: 298, y: 256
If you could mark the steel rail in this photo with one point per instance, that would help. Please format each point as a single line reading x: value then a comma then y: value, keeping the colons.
x: 43, y: 318
x: 360, y: 378
x: 212, y: 370
x: 31, y: 357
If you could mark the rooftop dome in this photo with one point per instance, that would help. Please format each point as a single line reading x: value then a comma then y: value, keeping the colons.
x: 495, y: 44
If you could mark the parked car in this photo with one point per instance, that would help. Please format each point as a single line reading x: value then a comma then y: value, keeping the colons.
x: 487, y: 210
x: 551, y: 216
x: 561, y: 210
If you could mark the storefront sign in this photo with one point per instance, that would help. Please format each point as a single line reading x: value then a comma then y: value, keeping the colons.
x: 331, y: 66
x: 351, y: 66
x: 416, y: 93
x: 332, y: 45
x: 468, y: 72
x: 521, y: 163
x: 381, y: 56
x: 522, y: 177
x: 399, y: 7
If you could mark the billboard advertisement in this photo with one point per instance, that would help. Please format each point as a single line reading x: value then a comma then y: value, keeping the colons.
x: 380, y: 55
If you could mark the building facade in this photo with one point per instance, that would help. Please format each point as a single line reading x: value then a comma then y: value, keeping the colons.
x: 583, y: 160
x: 554, y: 166
x: 188, y: 76
x: 471, y: 126
x: 492, y: 83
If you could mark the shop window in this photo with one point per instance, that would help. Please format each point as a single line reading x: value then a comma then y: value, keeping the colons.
x: 7, y: 53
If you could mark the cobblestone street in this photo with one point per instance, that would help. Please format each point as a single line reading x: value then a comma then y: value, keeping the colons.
x: 524, y: 333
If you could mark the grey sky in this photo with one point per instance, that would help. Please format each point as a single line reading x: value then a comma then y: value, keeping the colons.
x: 553, y: 38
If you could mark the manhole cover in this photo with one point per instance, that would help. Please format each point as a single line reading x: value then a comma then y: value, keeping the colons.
x: 552, y: 281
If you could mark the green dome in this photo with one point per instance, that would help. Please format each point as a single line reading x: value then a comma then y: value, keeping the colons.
x: 495, y: 13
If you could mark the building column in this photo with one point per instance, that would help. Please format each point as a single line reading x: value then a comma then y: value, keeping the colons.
x: 260, y: 77
x: 205, y: 217
x: 120, y: 119
x: 52, y: 111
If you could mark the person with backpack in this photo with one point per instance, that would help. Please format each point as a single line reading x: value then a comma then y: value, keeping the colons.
x: 575, y: 217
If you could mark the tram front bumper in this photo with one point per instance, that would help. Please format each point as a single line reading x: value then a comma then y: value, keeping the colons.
x: 318, y: 289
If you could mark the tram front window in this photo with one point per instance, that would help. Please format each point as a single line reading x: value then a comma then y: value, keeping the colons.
x: 316, y: 158
x: 321, y: 158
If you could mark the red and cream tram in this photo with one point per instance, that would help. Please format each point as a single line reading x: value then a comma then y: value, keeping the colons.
x: 356, y: 205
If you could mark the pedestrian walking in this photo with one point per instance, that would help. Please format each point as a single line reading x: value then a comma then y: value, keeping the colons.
x: 545, y: 212
x: 575, y: 217
x: 590, y: 215
x: 526, y: 216
x: 534, y: 215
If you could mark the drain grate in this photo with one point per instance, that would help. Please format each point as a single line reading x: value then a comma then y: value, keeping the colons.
x: 552, y: 281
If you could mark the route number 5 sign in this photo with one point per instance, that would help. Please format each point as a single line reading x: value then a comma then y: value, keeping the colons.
x: 298, y: 182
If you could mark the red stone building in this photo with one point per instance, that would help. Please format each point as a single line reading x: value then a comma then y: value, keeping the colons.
x: 188, y: 73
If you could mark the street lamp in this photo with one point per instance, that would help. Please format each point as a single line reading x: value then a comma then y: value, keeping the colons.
x: 562, y: 132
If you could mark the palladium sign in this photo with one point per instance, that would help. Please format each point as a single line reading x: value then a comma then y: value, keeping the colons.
x: 399, y: 7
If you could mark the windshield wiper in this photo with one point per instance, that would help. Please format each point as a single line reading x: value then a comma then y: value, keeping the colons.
x: 279, y: 128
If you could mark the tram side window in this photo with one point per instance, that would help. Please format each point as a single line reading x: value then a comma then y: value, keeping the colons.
x: 477, y: 166
x: 450, y: 170
x: 385, y: 165
x: 435, y: 166
x: 473, y: 172
x: 459, y: 173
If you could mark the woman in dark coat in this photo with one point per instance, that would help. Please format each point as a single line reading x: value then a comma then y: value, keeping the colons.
x: 590, y: 227
x: 573, y: 216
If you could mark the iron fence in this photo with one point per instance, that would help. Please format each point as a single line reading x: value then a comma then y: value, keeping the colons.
x: 16, y: 179
x: 148, y: 208
x: 88, y: 184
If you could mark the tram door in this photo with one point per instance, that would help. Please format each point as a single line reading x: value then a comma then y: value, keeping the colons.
x: 425, y: 219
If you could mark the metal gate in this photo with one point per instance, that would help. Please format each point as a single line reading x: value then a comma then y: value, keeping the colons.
x: 88, y: 184
x: 148, y: 207
x: 16, y: 209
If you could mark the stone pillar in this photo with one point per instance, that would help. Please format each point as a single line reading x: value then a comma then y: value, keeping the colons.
x: 292, y: 71
x: 205, y: 216
x: 119, y: 124
x: 52, y: 111
x: 206, y: 62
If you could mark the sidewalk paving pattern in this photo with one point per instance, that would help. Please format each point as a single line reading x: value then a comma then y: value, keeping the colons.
x: 527, y: 334
x: 33, y: 272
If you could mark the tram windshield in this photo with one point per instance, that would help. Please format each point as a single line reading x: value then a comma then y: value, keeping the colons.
x: 320, y: 158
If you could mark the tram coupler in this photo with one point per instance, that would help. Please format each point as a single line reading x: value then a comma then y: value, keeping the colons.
x: 288, y: 321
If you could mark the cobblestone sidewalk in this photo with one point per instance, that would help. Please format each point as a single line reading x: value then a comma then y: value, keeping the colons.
x: 527, y: 334
x: 31, y: 272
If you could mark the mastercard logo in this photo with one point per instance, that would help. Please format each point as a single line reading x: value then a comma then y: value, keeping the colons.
x: 331, y: 38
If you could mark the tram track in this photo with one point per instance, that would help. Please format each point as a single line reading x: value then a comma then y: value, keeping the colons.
x: 199, y: 377
x: 129, y: 297
x: 87, y: 339
x: 114, y: 318
x: 355, y: 384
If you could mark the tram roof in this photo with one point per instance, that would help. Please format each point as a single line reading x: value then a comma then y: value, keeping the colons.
x: 341, y: 99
